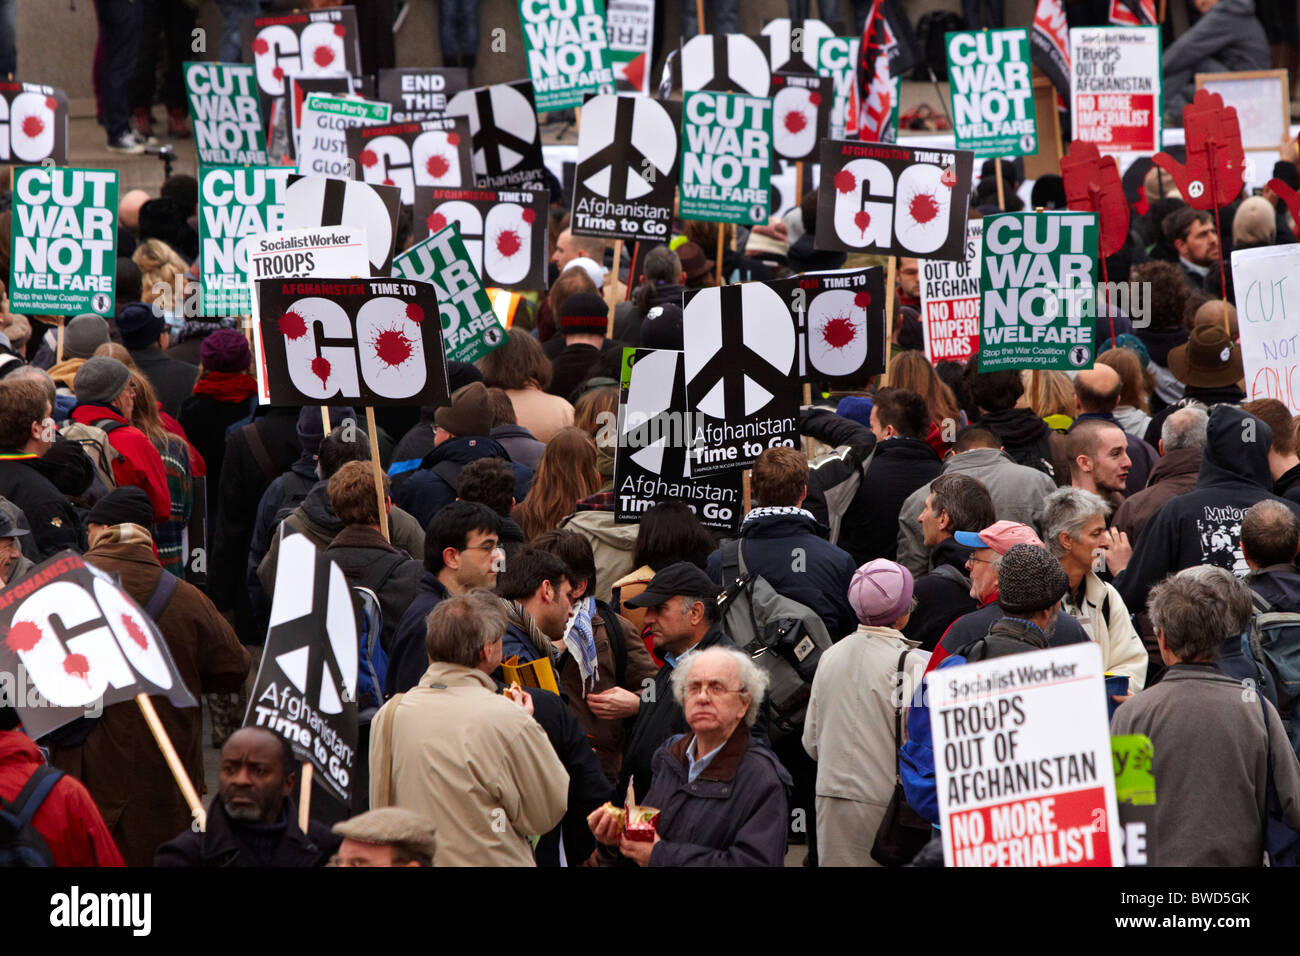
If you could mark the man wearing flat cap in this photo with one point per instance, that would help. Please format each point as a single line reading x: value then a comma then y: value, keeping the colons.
x: 388, y: 836
x: 14, y: 565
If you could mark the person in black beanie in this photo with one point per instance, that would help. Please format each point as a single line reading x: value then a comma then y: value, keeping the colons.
x: 144, y: 333
x: 583, y: 320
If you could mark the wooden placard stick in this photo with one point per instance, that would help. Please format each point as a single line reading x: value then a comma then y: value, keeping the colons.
x: 173, y: 759
x: 304, y: 796
x: 722, y: 231
x: 699, y: 15
x: 997, y: 171
x: 611, y: 287
x: 889, y: 313
x: 58, y: 349
x: 377, y: 470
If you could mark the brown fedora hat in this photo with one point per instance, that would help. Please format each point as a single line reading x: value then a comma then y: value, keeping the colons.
x: 1209, y: 359
x: 695, y: 262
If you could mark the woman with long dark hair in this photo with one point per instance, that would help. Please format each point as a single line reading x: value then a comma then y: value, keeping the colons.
x: 566, y: 474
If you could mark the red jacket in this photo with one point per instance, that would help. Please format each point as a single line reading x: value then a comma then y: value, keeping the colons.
x: 143, y: 466
x: 68, y: 819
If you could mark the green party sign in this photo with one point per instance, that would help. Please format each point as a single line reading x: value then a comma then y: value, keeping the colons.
x: 63, y: 244
x: 470, y: 329
x: 1038, y: 291
x: 726, y: 158
x: 992, y: 92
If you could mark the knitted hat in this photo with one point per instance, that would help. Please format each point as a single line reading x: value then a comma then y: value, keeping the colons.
x: 140, y: 326
x: 1255, y: 223
x: 125, y: 505
x: 585, y: 313
x: 470, y: 413
x: 1129, y: 341
x: 662, y: 328
x: 311, y: 429
x: 880, y: 592
x: 460, y: 374
x: 225, y: 350
x: 856, y: 408
x: 1030, y: 580
x: 770, y: 240
x: 100, y: 380
x: 83, y: 335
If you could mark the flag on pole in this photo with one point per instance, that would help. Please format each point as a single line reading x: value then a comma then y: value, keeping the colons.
x: 1131, y: 13
x: 888, y: 48
x: 1049, y: 47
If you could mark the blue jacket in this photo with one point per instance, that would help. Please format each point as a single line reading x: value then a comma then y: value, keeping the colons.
x: 425, y: 491
x: 408, y: 660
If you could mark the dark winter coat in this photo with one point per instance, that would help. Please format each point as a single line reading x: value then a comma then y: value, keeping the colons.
x: 1027, y: 440
x: 226, y: 842
x: 407, y: 658
x: 367, y: 560
x: 870, y: 526
x: 941, y: 596
x: 519, y: 444
x: 1173, y: 475
x: 206, y: 421
x: 572, y: 367
x: 427, y: 490
x: 54, y: 523
x: 1288, y: 485
x: 1278, y: 584
x: 629, y: 315
x: 976, y: 624
x: 172, y: 380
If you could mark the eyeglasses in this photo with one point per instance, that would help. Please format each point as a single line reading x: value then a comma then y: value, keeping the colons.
x: 486, y: 546
x: 974, y: 560
x: 713, y: 688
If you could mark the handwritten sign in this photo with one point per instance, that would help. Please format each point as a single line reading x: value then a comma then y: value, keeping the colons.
x: 1265, y: 279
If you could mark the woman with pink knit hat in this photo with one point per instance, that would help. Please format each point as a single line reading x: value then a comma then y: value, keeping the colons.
x: 856, y: 713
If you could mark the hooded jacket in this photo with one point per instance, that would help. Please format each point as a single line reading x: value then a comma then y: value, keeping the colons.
x: 367, y: 560
x: 140, y: 464
x: 1229, y: 32
x: 1204, y: 526
x: 519, y: 444
x: 1278, y: 584
x: 1027, y: 440
x: 1173, y: 475
x: 427, y: 490
x: 870, y: 526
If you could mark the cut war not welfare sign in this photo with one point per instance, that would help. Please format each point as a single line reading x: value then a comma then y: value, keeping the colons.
x: 235, y: 203
x: 726, y: 158
x: 1038, y: 291
x: 228, y: 128
x: 567, y: 50
x: 63, y: 258
x: 992, y: 92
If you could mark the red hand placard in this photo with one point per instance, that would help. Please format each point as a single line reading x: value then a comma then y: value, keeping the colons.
x: 1092, y: 184
x: 1216, y: 162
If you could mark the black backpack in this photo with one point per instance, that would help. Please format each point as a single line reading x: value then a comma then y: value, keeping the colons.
x: 930, y: 30
x: 20, y: 843
x: 1274, y: 639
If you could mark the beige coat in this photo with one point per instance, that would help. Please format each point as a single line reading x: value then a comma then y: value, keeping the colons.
x: 471, y: 761
x: 1122, y: 650
x: 540, y: 413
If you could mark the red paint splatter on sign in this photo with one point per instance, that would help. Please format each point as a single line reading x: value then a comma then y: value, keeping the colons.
x: 387, y: 182
x: 340, y: 30
x: 528, y: 216
x: 23, y: 636
x: 453, y: 139
x: 437, y: 165
x: 414, y: 312
x: 949, y: 177
x: 76, y: 665
x: 839, y: 331
x: 51, y: 103
x: 815, y: 98
x: 320, y: 367
x: 278, y: 73
x: 795, y: 121
x: 923, y: 208
x: 368, y: 158
x: 323, y: 56
x: 260, y: 46
x: 292, y: 325
x: 436, y: 222
x: 862, y: 299
x: 508, y: 242
x: 845, y: 181
x: 862, y: 219
x: 33, y: 126
x: 135, y: 631
x: 392, y: 347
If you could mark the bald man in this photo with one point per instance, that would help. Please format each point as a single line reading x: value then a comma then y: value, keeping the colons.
x: 128, y: 209
x: 1096, y: 393
x: 1211, y: 313
x: 569, y: 247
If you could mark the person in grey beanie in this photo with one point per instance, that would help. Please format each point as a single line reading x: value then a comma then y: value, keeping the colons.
x: 1031, y: 584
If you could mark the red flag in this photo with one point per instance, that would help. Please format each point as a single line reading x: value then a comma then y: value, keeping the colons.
x: 872, y: 89
x: 1133, y: 13
x: 1049, y: 45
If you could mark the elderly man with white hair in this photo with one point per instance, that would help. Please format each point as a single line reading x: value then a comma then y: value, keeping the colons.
x: 722, y: 796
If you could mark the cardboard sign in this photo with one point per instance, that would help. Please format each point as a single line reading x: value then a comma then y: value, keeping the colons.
x: 359, y: 341
x: 63, y: 245
x: 1115, y: 91
x: 470, y: 329
x: 565, y: 43
x: 306, y: 687
x: 792, y: 44
x: 314, y: 201
x: 1265, y: 280
x: 725, y: 64
x: 881, y: 198
x: 302, y: 87
x: 1022, y: 761
x: 629, y: 36
x: 504, y: 136
x: 742, y: 376
x: 837, y: 57
x: 1038, y: 293
x: 654, y: 430
x: 421, y: 93
x: 234, y: 203
x: 299, y: 253
x: 1135, y: 793
x: 992, y: 93
x: 33, y: 123
x: 504, y: 232
x: 406, y: 155
x: 950, y: 302
x: 316, y: 43
x: 801, y: 111
x: 627, y: 168
x: 726, y: 158
x: 323, y: 136
x: 840, y: 319
x: 228, y: 128
x: 74, y: 643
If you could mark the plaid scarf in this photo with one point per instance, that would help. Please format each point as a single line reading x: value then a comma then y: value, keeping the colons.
x: 524, y: 621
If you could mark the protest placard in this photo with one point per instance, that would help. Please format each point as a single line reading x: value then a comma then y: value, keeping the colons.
x: 654, y: 430
x: 383, y: 346
x: 1038, y: 300
x: 323, y: 135
x: 726, y: 158
x: 742, y: 376
x: 881, y: 198
x: 627, y: 168
x: 33, y: 123
x: 406, y: 155
x: 792, y: 44
x: 1265, y: 280
x: 733, y: 63
x: 228, y: 128
x: 840, y: 320
x: 1135, y: 794
x: 234, y: 203
x: 801, y: 114
x: 504, y: 232
x: 63, y: 241
x: 629, y: 35
x: 314, y: 201
x: 301, y: 87
x: 420, y: 93
x: 470, y: 329
x: 306, y: 687
x: 1115, y: 90
x: 1022, y: 760
x: 302, y: 253
x: 837, y: 57
x: 505, y: 140
x: 992, y: 93
x: 309, y: 43
x: 950, y: 302
x: 74, y: 643
x: 565, y: 45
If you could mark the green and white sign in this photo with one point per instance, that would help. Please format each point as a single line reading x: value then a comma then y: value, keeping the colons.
x: 992, y: 92
x: 837, y: 57
x: 234, y: 203
x: 567, y: 49
x: 1038, y: 291
x: 63, y: 244
x: 227, y: 117
x: 726, y: 158
x: 323, y: 136
x: 470, y: 329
